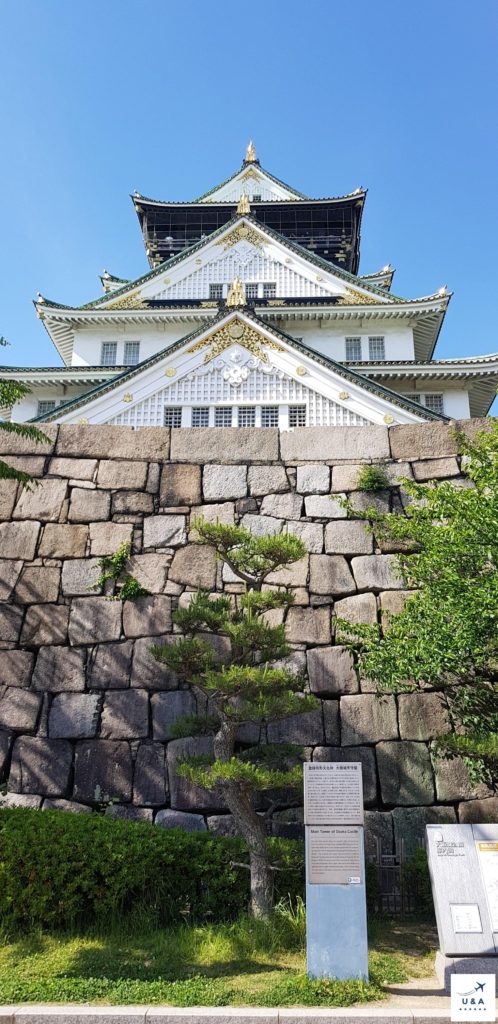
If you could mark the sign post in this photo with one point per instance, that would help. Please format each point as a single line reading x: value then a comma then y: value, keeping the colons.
x: 336, y: 918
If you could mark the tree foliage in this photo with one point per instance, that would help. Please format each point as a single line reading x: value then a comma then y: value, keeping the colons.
x: 446, y: 636
x: 246, y: 687
x: 11, y: 392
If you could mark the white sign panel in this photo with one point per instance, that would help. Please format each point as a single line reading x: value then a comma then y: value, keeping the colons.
x: 487, y: 854
x: 465, y: 917
x: 334, y: 855
x: 473, y: 997
x: 333, y: 793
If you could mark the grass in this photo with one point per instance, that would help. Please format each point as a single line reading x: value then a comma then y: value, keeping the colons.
x: 247, y: 963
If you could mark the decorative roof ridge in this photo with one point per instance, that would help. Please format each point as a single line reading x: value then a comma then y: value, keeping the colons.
x: 423, y: 362
x: 106, y: 276
x: 138, y: 199
x: 261, y: 170
x: 62, y: 369
x: 340, y: 368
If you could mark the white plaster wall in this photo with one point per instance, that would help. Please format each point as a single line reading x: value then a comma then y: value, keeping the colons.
x: 28, y: 407
x: 88, y: 341
x: 456, y: 400
x: 330, y: 338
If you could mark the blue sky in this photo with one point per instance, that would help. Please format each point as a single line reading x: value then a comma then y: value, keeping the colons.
x: 100, y: 99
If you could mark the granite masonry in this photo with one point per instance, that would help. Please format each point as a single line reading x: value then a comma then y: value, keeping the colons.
x: 86, y: 713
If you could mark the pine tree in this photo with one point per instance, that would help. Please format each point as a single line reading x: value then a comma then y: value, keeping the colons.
x: 10, y: 393
x: 248, y: 688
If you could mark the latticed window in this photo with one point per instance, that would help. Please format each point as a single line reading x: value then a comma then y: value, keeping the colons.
x: 173, y: 416
x: 256, y: 199
x: 200, y: 416
x: 269, y: 290
x: 216, y: 291
x: 353, y: 349
x: 223, y: 416
x: 414, y: 398
x: 297, y: 416
x: 251, y: 291
x: 131, y: 353
x: 434, y: 403
x: 376, y: 348
x: 108, y: 354
x: 269, y: 416
x: 247, y: 416
x: 45, y: 406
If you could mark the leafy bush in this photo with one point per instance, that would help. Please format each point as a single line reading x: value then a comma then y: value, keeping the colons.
x: 373, y: 478
x: 417, y: 882
x: 61, y: 869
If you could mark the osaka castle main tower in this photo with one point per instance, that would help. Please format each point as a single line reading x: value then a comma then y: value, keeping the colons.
x: 252, y: 312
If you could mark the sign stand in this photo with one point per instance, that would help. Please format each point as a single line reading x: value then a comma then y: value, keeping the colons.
x: 336, y: 917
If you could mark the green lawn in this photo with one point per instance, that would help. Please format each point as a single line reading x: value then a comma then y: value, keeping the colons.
x: 245, y: 963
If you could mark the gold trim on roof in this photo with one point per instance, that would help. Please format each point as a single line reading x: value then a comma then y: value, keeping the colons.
x: 133, y: 301
x: 235, y: 333
x: 354, y: 298
x: 241, y: 234
x: 251, y: 153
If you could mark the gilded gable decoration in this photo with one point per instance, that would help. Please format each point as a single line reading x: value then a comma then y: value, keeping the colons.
x: 236, y: 332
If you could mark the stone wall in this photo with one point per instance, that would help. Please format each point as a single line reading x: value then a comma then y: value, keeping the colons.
x: 86, y: 713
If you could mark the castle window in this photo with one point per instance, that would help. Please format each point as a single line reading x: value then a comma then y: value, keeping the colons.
x: 376, y: 348
x: 353, y: 349
x: 131, y: 353
x: 297, y: 416
x: 269, y: 290
x: 200, y: 416
x: 108, y: 353
x: 251, y: 291
x: 247, y: 416
x: 216, y: 291
x: 256, y: 199
x: 223, y: 416
x: 45, y: 406
x: 173, y: 416
x: 434, y: 403
x: 269, y: 416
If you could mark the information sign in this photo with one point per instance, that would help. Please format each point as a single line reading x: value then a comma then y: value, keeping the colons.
x: 335, y: 855
x: 487, y: 853
x: 333, y: 793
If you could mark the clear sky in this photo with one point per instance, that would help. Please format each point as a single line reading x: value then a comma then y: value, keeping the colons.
x: 102, y: 97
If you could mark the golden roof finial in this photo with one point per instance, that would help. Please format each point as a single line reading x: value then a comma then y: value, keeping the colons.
x: 251, y: 153
x: 243, y: 205
x: 236, y: 293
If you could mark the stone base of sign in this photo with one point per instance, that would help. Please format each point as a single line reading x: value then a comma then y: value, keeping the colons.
x: 445, y: 966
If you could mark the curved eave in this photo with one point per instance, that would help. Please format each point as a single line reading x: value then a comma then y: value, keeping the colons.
x: 478, y: 375
x: 352, y: 197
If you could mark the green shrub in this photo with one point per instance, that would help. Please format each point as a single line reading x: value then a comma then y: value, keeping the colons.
x: 372, y: 478
x: 417, y: 882
x: 61, y: 869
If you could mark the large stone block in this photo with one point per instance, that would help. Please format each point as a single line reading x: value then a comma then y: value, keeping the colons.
x: 311, y: 535
x: 103, y: 771
x: 109, y: 666
x: 422, y: 441
x: 313, y: 479
x: 150, y: 779
x: 222, y: 482
x: 422, y: 716
x: 475, y: 812
x: 267, y: 480
x: 358, y: 609
x: 164, y: 531
x: 18, y: 540
x: 185, y: 796
x: 435, y: 469
x: 5, y: 745
x: 331, y: 671
x: 261, y: 526
x: 94, y: 619
x: 363, y: 501
x: 283, y: 506
x: 195, y: 566
x: 128, y: 813
x: 45, y: 624
x: 294, y: 575
x: 325, y: 506
x: 222, y: 825
x: 225, y: 445
x: 14, y: 444
x: 151, y: 571
x: 21, y: 800
x: 10, y: 572
x: 180, y: 485
x: 125, y: 715
x: 147, y: 616
x: 124, y: 475
x: 16, y: 668
x: 19, y: 709
x: 409, y: 824
x: 43, y: 502
x: 348, y: 537
x: 59, y: 669
x: 308, y: 626
x: 392, y: 602
x: 132, y: 503
x: 330, y: 574
x: 166, y: 708
x: 79, y: 576
x: 377, y: 572
x: 38, y: 584
x: 331, y: 722
x: 405, y: 772
x: 453, y: 783
x: 180, y: 819
x: 379, y: 832
x: 10, y: 623
x: 334, y: 443
x: 147, y: 673
x: 305, y: 729
x: 73, y: 469
x: 365, y: 755
x: 74, y: 716
x: 367, y: 718
x: 88, y: 506
x: 70, y: 806
x: 106, y: 538
x: 8, y: 495
x: 108, y: 442
x: 40, y: 766
x: 63, y: 541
